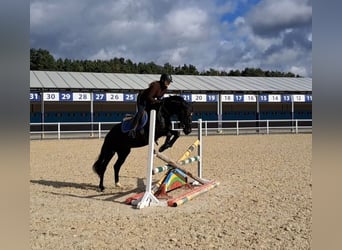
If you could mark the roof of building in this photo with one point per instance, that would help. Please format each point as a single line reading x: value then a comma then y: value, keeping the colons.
x: 186, y: 83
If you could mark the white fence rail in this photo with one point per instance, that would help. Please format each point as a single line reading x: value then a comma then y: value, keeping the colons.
x: 63, y: 130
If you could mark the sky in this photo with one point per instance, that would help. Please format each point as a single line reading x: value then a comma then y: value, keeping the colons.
x: 224, y: 35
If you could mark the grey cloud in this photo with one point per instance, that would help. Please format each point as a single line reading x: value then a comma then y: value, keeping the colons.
x: 295, y: 39
x: 298, y: 38
x: 270, y: 17
x: 229, y: 55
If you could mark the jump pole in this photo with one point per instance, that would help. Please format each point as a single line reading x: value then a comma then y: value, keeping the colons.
x: 192, y: 194
x: 175, y: 165
x: 183, y: 162
x: 149, y: 199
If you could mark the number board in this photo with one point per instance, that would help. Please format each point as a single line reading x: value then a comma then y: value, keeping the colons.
x: 129, y: 97
x: 274, y: 98
x: 286, y: 98
x: 114, y: 97
x: 99, y: 97
x: 81, y: 97
x: 211, y: 98
x: 186, y: 97
x: 308, y: 98
x: 298, y: 98
x: 238, y: 98
x: 198, y: 98
x: 51, y: 97
x: 227, y: 98
x: 263, y: 98
x: 35, y: 97
x: 65, y: 97
x: 249, y: 98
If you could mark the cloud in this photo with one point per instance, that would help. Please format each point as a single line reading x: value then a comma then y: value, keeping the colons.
x: 207, y: 34
x: 188, y: 24
x: 270, y: 17
x: 273, y: 35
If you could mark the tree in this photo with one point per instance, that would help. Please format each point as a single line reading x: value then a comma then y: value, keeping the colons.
x: 234, y: 73
x: 168, y: 68
x: 41, y: 60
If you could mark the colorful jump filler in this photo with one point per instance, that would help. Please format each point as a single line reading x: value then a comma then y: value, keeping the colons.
x: 176, y: 177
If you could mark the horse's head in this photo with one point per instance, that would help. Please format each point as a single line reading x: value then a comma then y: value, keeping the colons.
x: 176, y: 105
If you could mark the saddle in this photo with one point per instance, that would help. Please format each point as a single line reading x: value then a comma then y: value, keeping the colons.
x: 126, y: 124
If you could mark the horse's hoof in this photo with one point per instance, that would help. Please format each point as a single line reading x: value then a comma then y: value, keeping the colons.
x: 163, y: 148
x: 101, y: 189
x: 118, y: 185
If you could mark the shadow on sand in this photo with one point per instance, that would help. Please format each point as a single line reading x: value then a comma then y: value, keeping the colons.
x: 111, y: 196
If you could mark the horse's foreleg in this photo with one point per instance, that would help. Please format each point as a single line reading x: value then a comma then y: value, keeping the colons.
x: 176, y: 135
x: 171, y: 138
x: 122, y: 155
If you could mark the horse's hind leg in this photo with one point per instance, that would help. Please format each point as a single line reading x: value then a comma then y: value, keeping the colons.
x: 122, y: 155
x: 100, y: 166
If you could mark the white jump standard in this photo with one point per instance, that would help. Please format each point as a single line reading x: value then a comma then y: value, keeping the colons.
x: 149, y: 199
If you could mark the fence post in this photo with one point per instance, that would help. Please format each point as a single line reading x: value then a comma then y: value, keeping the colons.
x: 206, y: 127
x: 268, y: 127
x: 99, y: 130
x: 58, y: 130
x: 43, y: 129
x: 237, y: 127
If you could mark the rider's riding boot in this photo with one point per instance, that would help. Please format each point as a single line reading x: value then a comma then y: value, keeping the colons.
x: 135, y: 124
x: 132, y: 132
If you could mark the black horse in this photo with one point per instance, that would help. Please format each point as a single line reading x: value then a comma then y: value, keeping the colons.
x: 117, y: 141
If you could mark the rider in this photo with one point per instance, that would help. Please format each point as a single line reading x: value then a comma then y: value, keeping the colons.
x: 148, y: 97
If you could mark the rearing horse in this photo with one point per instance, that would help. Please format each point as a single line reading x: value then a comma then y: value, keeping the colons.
x: 119, y: 142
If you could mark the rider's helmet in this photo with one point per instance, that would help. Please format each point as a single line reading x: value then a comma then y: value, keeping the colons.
x: 165, y: 77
